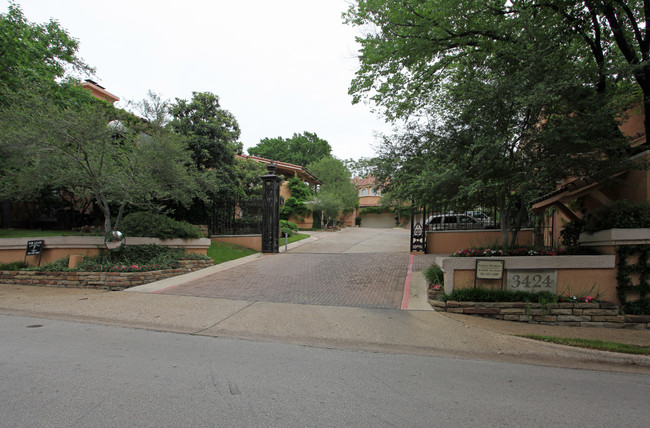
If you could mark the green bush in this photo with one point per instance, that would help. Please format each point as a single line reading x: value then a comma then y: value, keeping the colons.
x: 157, y: 226
x: 434, y: 275
x: 60, y: 265
x: 13, y: 266
x: 570, y: 233
x: 485, y: 295
x: 288, y: 227
x: 638, y: 307
x: 133, y: 258
x: 621, y: 214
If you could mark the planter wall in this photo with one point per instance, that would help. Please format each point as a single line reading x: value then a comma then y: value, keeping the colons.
x: 573, y: 314
x: 576, y: 275
x: 57, y: 247
x: 100, y: 280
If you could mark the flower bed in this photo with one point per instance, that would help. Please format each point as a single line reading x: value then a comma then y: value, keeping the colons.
x: 114, y: 280
x: 514, y: 252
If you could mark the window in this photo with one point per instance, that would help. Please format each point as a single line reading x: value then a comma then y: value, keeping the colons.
x: 364, y: 192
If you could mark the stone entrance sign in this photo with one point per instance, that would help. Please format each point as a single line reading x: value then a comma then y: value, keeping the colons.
x: 532, y: 280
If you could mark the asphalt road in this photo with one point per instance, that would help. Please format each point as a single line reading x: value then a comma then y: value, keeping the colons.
x: 68, y: 374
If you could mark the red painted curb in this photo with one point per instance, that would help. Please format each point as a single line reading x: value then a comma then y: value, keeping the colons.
x: 407, y: 284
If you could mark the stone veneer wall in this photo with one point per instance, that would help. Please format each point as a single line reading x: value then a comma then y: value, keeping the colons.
x: 101, y: 280
x: 601, y: 314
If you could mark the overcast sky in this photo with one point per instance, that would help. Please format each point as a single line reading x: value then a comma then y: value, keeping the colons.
x: 280, y: 66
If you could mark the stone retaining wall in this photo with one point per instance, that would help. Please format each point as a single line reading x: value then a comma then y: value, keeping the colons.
x: 100, y: 280
x: 601, y: 314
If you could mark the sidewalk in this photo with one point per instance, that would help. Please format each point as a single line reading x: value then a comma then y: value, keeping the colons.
x: 377, y: 330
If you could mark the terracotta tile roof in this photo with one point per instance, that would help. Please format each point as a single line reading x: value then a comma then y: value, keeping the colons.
x: 365, y: 181
x: 285, y: 168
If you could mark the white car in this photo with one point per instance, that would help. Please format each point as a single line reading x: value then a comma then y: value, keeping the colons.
x: 453, y: 222
x: 480, y: 216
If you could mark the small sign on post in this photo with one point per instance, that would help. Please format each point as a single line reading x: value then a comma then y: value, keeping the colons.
x: 35, y: 248
x: 489, y: 269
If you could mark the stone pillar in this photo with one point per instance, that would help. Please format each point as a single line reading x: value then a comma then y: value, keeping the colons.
x: 270, y: 210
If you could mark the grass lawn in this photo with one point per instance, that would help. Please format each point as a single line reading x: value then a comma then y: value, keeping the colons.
x: 594, y: 344
x: 29, y: 233
x: 221, y: 252
x: 294, y: 238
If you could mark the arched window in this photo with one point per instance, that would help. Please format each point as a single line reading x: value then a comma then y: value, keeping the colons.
x: 364, y: 192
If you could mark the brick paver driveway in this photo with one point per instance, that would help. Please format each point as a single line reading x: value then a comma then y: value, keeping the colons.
x: 358, y: 267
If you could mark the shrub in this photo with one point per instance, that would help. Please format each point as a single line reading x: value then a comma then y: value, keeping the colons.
x: 133, y: 258
x: 570, y: 233
x: 13, y: 266
x: 621, y: 214
x: 288, y: 227
x: 55, y: 266
x: 485, y: 295
x: 434, y: 275
x: 127, y: 259
x: 157, y: 226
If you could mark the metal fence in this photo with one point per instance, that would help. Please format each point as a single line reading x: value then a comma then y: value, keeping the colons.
x: 450, y: 218
x: 443, y: 218
x: 237, y: 216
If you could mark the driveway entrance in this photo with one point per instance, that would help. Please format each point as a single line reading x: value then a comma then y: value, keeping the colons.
x: 359, y: 267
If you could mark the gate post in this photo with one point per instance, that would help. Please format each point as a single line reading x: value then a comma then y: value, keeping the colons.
x: 418, y: 231
x: 270, y: 210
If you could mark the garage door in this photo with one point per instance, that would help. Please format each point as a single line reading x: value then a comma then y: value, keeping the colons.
x: 378, y: 220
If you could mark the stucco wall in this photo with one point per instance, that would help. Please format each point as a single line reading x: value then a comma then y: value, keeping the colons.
x: 57, y: 247
x: 450, y: 241
x: 253, y: 242
x: 578, y: 282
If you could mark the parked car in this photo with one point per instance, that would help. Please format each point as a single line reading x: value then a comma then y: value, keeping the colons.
x: 481, y: 217
x: 453, y: 222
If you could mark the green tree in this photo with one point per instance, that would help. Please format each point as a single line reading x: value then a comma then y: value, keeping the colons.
x: 211, y: 131
x: 329, y: 206
x: 37, y: 57
x: 300, y: 149
x: 337, y: 194
x: 212, y: 134
x: 485, y: 79
x: 97, y: 153
x: 412, y: 46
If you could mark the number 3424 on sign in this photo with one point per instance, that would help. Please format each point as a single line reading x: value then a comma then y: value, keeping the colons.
x: 532, y: 280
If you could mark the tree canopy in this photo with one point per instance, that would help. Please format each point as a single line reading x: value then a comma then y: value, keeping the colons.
x: 57, y: 139
x: 337, y: 194
x: 300, y: 149
x: 211, y: 131
x: 96, y: 152
x: 36, y: 56
x: 503, y: 98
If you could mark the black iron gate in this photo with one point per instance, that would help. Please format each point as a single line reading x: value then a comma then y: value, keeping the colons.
x: 237, y: 216
x: 418, y: 228
x: 253, y: 215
